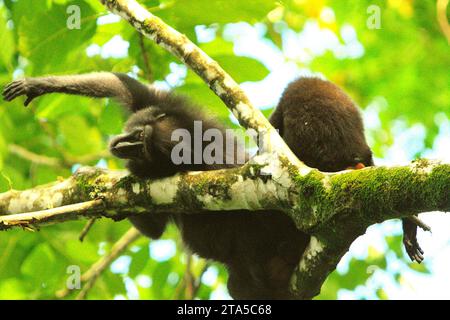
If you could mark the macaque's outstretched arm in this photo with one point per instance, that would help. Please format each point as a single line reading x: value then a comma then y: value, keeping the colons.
x: 127, y: 90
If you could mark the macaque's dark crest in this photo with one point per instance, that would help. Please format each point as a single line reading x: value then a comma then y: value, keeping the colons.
x: 318, y: 121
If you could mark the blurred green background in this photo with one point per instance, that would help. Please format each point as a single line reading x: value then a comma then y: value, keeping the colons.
x: 397, y: 70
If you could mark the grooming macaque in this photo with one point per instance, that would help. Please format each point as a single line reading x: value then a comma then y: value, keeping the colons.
x: 260, y: 249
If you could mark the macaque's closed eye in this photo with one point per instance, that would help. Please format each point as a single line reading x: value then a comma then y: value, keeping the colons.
x: 160, y: 116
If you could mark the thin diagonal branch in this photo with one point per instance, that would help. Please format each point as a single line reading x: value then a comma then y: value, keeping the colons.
x: 67, y: 162
x: 148, y: 69
x: 68, y: 212
x: 209, y: 70
x: 90, y: 276
x: 34, y: 157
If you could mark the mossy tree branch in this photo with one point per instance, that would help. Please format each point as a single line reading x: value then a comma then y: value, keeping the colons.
x: 334, y: 208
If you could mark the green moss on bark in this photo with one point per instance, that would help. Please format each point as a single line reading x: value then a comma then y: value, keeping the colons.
x: 312, y: 199
x: 87, y: 182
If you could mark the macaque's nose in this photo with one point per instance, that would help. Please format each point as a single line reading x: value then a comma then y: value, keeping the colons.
x: 128, y: 145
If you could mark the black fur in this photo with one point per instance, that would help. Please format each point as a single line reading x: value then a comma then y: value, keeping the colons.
x: 317, y: 120
x: 321, y: 125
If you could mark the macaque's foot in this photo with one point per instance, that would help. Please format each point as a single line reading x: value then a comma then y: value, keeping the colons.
x: 21, y: 87
x: 410, y: 242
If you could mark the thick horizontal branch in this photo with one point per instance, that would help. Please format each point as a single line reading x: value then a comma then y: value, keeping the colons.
x: 316, y: 201
x: 334, y: 208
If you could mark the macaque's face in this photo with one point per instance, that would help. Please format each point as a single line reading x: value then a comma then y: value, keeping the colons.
x: 136, y: 142
x: 361, y: 162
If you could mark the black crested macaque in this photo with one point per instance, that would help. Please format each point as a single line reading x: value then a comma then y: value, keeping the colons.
x: 260, y: 250
x: 323, y: 127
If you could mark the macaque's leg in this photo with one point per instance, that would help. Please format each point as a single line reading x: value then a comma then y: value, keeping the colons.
x: 151, y: 225
x: 127, y: 90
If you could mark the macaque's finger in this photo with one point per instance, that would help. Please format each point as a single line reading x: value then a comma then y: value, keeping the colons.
x: 414, y: 250
x: 409, y: 251
x: 410, y: 242
x: 28, y: 100
x: 13, y: 90
x: 12, y: 84
x: 418, y: 256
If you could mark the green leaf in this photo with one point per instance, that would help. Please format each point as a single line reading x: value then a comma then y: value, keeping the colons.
x: 330, y: 287
x: 357, y: 275
x: 217, y: 47
x: 187, y: 14
x: 85, y: 252
x: 13, y: 289
x: 8, y: 41
x: 139, y: 260
x: 382, y: 294
x: 160, y: 274
x: 40, y: 264
x: 242, y: 68
x: 115, y: 284
x: 79, y: 137
x: 48, y: 48
x: 158, y: 59
x: 395, y: 244
x: 206, y: 99
x: 111, y: 118
x: 421, y: 268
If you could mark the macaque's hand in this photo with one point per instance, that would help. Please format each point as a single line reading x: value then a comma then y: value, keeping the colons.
x: 410, y: 242
x: 26, y: 86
